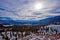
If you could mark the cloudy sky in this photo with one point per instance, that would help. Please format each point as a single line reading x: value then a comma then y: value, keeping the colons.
x: 29, y: 9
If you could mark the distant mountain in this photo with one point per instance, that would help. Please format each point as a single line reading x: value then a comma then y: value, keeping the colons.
x: 5, y: 18
x: 50, y: 20
x: 9, y: 21
x: 34, y: 22
x: 57, y: 18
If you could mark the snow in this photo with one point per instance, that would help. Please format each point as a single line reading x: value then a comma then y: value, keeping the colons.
x: 57, y: 27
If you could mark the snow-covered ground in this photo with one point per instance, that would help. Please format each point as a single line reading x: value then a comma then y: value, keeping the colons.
x: 13, y: 35
x: 29, y: 37
x: 57, y: 27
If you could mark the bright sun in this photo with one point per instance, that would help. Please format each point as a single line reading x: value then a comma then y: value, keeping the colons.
x: 38, y: 6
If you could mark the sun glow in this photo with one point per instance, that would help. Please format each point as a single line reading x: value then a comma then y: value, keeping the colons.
x: 38, y: 6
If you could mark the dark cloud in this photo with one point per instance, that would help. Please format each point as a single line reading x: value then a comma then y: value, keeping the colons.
x: 37, y: 13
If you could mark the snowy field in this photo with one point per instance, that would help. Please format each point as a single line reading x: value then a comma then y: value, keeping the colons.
x: 45, y: 35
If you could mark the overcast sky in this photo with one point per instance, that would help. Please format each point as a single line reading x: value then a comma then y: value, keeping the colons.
x: 26, y: 9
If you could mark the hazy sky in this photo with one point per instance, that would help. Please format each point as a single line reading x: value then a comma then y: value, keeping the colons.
x: 29, y: 9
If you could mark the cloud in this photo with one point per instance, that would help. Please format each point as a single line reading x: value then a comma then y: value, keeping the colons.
x: 24, y: 9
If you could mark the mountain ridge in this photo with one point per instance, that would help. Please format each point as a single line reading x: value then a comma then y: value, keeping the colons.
x: 10, y: 22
